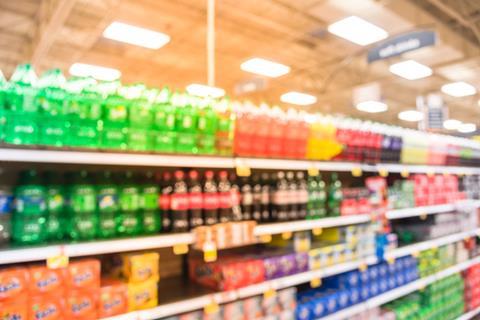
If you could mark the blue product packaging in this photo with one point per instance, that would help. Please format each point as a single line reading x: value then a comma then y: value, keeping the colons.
x: 319, y: 308
x: 354, y: 295
x: 373, y: 272
x: 364, y: 292
x: 304, y: 311
x: 401, y: 278
x: 382, y: 269
x: 331, y: 302
x: 364, y: 277
x: 374, y: 288
x: 392, y: 282
x: 382, y: 285
x: 343, y: 299
x: 391, y: 268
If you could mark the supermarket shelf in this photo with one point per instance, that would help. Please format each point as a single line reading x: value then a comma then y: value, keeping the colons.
x: 92, y: 248
x: 427, y: 210
x: 434, y: 243
x: 292, y: 226
x: 469, y: 315
x: 11, y: 154
x: 402, y: 291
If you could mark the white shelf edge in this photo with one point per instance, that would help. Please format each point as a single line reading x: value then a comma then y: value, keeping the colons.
x: 470, y: 314
x: 428, y: 210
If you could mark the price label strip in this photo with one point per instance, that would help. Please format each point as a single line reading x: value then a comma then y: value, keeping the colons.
x: 180, y: 249
x: 242, y: 169
x: 59, y: 261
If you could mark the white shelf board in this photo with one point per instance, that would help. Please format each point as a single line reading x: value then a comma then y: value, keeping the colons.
x: 428, y: 210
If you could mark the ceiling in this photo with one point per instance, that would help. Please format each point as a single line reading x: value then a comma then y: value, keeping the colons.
x: 57, y: 33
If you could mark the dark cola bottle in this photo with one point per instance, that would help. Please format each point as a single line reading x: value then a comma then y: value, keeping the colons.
x: 257, y: 198
x: 179, y: 203
x: 265, y: 199
x: 225, y: 213
x: 166, y: 188
x: 302, y: 195
x: 195, y: 200
x: 235, y: 196
x: 279, y: 197
x: 292, y: 197
x: 247, y: 199
x: 210, y: 199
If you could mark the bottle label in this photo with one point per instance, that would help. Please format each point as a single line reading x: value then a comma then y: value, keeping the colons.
x: 195, y: 200
x: 179, y: 202
x: 265, y: 198
x: 235, y: 197
x: 55, y: 202
x: 280, y: 197
x: 129, y: 199
x: 302, y: 196
x: 31, y: 201
x: 225, y: 200
x: 5, y: 203
x: 247, y: 199
x: 164, y: 202
x: 210, y: 201
x: 107, y: 201
x: 149, y: 198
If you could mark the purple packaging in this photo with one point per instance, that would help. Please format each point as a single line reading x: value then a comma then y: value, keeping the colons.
x: 272, y: 267
x: 286, y: 265
x: 301, y: 262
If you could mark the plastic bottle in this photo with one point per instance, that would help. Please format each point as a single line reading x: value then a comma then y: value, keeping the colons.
x: 3, y: 105
x: 164, y: 122
x: 292, y: 197
x: 82, y: 201
x: 302, y: 195
x: 280, y: 201
x: 206, y: 127
x: 312, y: 212
x: 128, y: 219
x: 186, y: 118
x: 179, y: 203
x: 244, y: 129
x: 247, y: 198
x: 195, y: 200
x: 140, y: 118
x: 211, y: 201
x: 6, y: 207
x: 149, y: 199
x: 225, y: 213
x: 265, y: 200
x: 334, y: 196
x: 166, y: 187
x: 235, y: 198
x: 107, y: 204
x: 55, y: 206
x: 224, y: 132
x: 321, y: 198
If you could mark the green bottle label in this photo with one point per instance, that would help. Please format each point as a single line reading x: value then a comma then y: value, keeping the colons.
x: 129, y: 199
x: 31, y: 200
x: 107, y: 199
x: 149, y: 198
x: 83, y: 199
x: 55, y: 200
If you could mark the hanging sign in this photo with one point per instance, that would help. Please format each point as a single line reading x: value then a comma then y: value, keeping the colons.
x: 400, y: 44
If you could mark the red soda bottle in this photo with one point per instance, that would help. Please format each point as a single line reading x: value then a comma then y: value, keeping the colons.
x: 195, y: 200
x: 179, y: 203
x: 164, y: 201
x: 225, y: 213
x: 210, y: 199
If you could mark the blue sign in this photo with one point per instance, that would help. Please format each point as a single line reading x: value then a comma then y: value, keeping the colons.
x: 400, y: 44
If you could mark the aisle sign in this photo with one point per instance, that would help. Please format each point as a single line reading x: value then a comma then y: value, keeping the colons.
x: 400, y: 44
x: 434, y: 110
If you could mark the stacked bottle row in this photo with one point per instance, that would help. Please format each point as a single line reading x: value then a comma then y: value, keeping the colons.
x: 83, y: 113
x: 83, y: 206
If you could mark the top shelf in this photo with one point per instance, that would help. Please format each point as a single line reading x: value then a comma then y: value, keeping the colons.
x: 164, y: 160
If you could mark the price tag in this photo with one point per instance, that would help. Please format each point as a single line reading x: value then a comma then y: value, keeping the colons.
x: 313, y: 171
x: 212, y: 308
x: 266, y: 238
x: 209, y: 252
x: 302, y: 245
x: 430, y: 173
x: 391, y: 260
x: 423, y: 216
x: 179, y: 249
x: 363, y: 267
x: 404, y: 173
x: 58, y: 261
x: 242, y: 169
x: 316, y: 282
x: 415, y: 254
x: 286, y: 235
x: 317, y: 231
x: 270, y: 293
x: 383, y: 172
x: 356, y: 171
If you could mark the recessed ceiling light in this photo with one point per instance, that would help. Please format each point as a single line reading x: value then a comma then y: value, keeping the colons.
x: 451, y: 124
x: 410, y: 70
x: 372, y: 106
x: 467, y: 128
x: 357, y: 30
x: 298, y: 98
x: 459, y: 89
x: 265, y: 67
x: 202, y: 90
x: 410, y: 115
x: 97, y: 72
x: 138, y: 36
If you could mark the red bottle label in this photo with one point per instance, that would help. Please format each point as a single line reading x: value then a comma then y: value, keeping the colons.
x: 164, y: 202
x: 195, y: 200
x: 210, y: 201
x: 225, y: 200
x: 179, y: 201
x: 235, y: 197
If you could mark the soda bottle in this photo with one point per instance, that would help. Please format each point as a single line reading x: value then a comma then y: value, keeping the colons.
x: 292, y: 197
x: 256, y: 198
x: 30, y: 216
x: 186, y: 118
x: 179, y: 203
x: 55, y: 206
x: 6, y: 207
x: 247, y: 199
x: 302, y: 195
x: 3, y: 90
x: 140, y: 118
x: 166, y: 187
x: 195, y: 200
x: 334, y: 196
x: 235, y: 198
x: 164, y: 122
x: 224, y: 132
x: 107, y: 204
x: 210, y: 199
x: 225, y: 199
x: 206, y: 127
x: 279, y: 199
x: 82, y: 200
x: 312, y: 210
x: 128, y: 220
x: 265, y: 199
x: 321, y: 197
x: 149, y: 199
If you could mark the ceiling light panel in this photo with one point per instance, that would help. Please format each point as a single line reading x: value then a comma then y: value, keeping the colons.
x: 138, y: 36
x: 459, y: 89
x: 410, y: 70
x: 265, y: 67
x: 357, y: 30
x: 410, y: 115
x: 97, y: 72
x: 372, y: 106
x: 298, y: 98
x: 202, y: 90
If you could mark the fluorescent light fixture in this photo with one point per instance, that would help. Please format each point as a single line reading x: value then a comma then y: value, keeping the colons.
x: 142, y: 37
x: 298, y: 98
x: 372, y: 106
x: 97, y: 72
x: 410, y: 70
x: 202, y: 90
x: 459, y: 89
x: 265, y: 67
x: 410, y: 115
x: 451, y: 124
x: 467, y: 128
x: 357, y: 30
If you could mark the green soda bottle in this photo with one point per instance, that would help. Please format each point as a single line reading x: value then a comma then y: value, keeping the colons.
x: 224, y: 132
x: 334, y: 196
x: 83, y: 220
x: 53, y: 124
x: 140, y: 118
x: 107, y: 204
x: 55, y: 206
x: 321, y: 198
x: 206, y: 127
x: 3, y: 104
x: 21, y: 107
x: 312, y: 212
x: 128, y: 221
x: 30, y: 216
x: 186, y: 118
x: 164, y: 122
x: 149, y: 197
